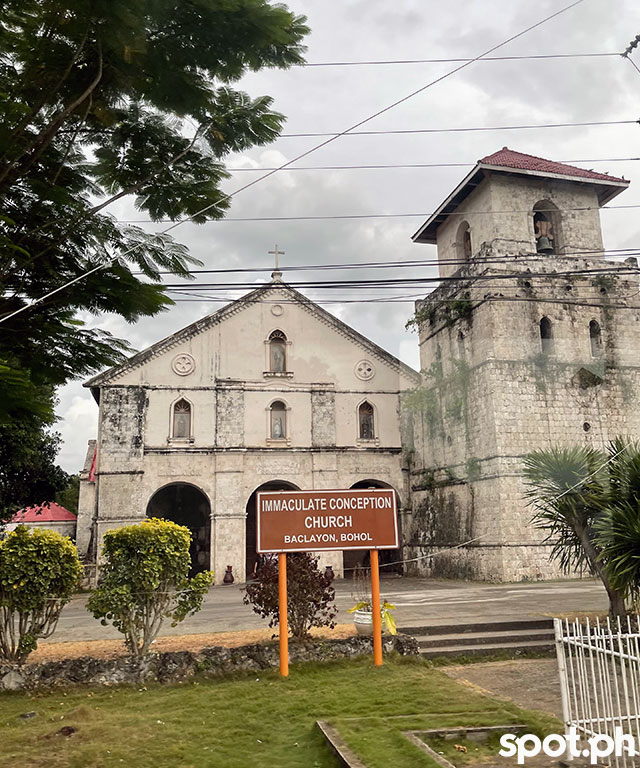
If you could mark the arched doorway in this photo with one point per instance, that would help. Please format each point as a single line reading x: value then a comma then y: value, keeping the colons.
x: 251, y: 526
x: 186, y: 505
x: 353, y: 557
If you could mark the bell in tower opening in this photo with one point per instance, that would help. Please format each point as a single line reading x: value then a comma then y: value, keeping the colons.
x: 544, y: 233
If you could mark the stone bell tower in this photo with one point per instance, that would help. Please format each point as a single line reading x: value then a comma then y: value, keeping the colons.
x: 531, y: 340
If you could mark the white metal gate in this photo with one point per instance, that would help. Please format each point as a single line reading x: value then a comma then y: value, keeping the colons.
x: 599, y: 667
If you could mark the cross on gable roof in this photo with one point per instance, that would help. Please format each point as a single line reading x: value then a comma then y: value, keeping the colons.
x: 507, y: 160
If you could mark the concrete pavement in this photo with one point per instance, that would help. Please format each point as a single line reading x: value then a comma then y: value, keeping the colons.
x: 418, y: 601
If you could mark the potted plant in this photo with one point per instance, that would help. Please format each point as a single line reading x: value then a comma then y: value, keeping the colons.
x: 362, y: 610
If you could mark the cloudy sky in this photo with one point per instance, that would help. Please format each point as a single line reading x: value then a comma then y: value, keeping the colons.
x: 331, y: 98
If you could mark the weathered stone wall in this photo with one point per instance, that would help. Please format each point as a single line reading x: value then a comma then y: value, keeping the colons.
x: 500, y: 215
x: 214, y: 662
x: 229, y: 429
x: 492, y: 395
x: 122, y: 427
x: 323, y: 417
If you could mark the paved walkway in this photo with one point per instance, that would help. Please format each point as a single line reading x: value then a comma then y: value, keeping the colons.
x: 418, y: 602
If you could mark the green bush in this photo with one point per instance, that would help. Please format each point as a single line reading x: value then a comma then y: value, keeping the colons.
x: 144, y: 581
x: 39, y: 571
x: 309, y: 595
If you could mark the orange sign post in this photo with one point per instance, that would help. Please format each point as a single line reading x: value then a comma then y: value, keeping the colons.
x: 304, y: 521
x: 284, y: 621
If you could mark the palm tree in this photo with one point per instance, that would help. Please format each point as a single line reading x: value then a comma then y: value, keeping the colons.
x: 571, y: 490
x: 618, y: 527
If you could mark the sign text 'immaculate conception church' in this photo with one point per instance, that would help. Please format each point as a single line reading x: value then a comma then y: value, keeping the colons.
x: 304, y: 521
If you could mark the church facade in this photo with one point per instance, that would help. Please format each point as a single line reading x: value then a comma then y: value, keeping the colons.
x: 531, y: 340
x: 269, y: 393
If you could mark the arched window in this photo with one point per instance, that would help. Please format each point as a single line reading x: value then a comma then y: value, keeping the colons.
x: 278, y: 420
x: 181, y: 426
x: 366, y: 426
x: 546, y: 336
x: 595, y: 335
x: 463, y: 242
x: 277, y: 352
x: 546, y: 227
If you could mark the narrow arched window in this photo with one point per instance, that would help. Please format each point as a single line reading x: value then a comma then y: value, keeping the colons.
x: 182, y: 419
x: 365, y: 421
x: 463, y: 242
x: 595, y: 335
x: 278, y: 420
x: 546, y: 336
x: 277, y: 352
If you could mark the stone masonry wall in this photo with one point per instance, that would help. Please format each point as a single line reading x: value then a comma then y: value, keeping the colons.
x: 323, y: 417
x: 493, y: 395
x: 229, y: 417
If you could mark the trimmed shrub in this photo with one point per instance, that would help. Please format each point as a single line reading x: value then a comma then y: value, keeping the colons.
x: 39, y: 571
x: 310, y: 595
x: 143, y: 581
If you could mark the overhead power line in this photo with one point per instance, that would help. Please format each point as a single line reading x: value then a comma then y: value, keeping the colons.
x: 532, y: 57
x: 415, y: 263
x: 302, y: 155
x: 470, y: 129
x: 347, y: 216
x: 387, y: 282
x: 383, y: 166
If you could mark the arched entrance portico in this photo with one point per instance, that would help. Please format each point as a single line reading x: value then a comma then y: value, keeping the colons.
x: 250, y: 525
x: 353, y: 557
x: 186, y: 505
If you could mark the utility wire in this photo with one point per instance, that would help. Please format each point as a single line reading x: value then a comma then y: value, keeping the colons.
x: 414, y: 263
x: 304, y: 154
x: 462, y: 130
x: 455, y: 61
x: 350, y: 216
x: 382, y: 166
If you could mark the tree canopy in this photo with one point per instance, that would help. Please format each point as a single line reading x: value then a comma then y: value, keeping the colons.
x: 102, y: 99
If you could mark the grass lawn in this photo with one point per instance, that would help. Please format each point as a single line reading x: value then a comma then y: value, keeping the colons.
x: 261, y: 719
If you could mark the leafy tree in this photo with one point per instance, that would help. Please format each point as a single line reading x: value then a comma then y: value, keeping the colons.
x: 309, y: 595
x: 39, y: 571
x: 67, y: 497
x: 28, y: 473
x: 570, y: 489
x: 100, y: 100
x: 144, y: 581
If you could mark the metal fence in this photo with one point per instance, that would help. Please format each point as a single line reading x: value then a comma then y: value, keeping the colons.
x: 599, y: 667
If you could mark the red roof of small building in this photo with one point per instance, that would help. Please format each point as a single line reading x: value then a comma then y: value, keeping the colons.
x: 507, y: 158
x: 54, y: 513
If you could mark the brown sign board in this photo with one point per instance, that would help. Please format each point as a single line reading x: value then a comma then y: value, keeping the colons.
x: 309, y: 521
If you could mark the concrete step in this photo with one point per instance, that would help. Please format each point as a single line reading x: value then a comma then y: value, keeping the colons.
x: 488, y: 649
x: 484, y: 638
x: 486, y: 626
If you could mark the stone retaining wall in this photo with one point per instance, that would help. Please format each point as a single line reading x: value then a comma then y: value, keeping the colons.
x: 184, y: 665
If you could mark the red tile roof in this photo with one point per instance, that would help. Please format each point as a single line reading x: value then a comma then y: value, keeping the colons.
x: 54, y: 513
x: 507, y: 158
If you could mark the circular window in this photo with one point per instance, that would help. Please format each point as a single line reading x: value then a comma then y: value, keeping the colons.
x: 277, y: 310
x: 183, y: 364
x: 364, y: 370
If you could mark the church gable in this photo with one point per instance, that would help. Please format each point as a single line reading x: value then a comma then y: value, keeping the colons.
x: 272, y: 334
